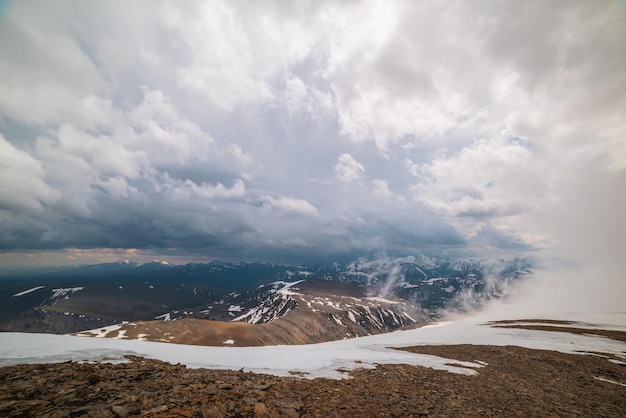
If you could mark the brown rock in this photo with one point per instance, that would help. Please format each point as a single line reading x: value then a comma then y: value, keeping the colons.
x: 210, y: 411
x: 182, y: 412
x: 289, y: 412
x: 289, y: 403
x: 120, y: 410
x: 157, y: 409
x: 260, y: 409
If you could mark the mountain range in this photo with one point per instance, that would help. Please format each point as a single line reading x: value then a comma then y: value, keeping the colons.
x: 221, y: 303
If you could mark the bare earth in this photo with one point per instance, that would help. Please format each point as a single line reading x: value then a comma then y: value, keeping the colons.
x: 514, y: 382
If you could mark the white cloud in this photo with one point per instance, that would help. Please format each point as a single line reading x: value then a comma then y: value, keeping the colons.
x: 118, y: 187
x: 244, y: 158
x: 289, y: 205
x: 411, y: 167
x: 380, y: 189
x: 235, y: 55
x: 23, y: 184
x: 168, y: 137
x: 348, y: 169
x: 382, y: 200
x: 469, y: 69
x: 106, y: 155
x: 489, y: 179
x: 137, y: 145
x: 299, y: 98
x: 71, y: 174
x: 189, y: 189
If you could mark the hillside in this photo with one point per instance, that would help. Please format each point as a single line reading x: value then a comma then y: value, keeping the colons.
x: 302, y: 312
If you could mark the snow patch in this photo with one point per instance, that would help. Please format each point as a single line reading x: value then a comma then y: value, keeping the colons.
x: 431, y: 281
x: 285, y: 290
x: 28, y: 291
x: 98, y: 332
x: 57, y: 293
x: 609, y: 381
x: 121, y: 335
x: 317, y: 360
x: 352, y: 317
x: 382, y: 300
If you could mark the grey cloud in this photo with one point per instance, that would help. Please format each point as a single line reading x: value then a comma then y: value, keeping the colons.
x: 314, y: 130
x: 23, y: 185
x: 494, y: 238
x: 289, y: 205
x: 39, y: 81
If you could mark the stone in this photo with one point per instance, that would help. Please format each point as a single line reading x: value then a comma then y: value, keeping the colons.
x: 210, y: 411
x: 289, y: 412
x: 260, y: 409
x: 289, y: 403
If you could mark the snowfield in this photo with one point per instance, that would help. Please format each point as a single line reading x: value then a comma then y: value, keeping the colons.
x: 25, y: 292
x: 319, y: 360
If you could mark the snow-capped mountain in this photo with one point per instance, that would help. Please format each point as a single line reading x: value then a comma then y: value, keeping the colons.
x: 72, y: 299
x: 435, y: 284
x: 300, y: 312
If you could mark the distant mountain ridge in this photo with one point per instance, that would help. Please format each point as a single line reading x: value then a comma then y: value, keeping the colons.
x: 77, y: 298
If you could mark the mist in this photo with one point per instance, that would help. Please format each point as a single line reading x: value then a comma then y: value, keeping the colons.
x: 589, y: 224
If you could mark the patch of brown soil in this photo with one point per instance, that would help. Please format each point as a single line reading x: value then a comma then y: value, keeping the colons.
x: 540, y: 321
x: 614, y: 335
x: 193, y: 331
x: 330, y: 288
x: 515, y: 382
x: 299, y: 327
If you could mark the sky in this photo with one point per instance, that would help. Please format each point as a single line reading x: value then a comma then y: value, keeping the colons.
x: 311, y: 131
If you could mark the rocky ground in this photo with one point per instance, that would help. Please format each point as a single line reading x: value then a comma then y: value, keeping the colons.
x: 514, y: 382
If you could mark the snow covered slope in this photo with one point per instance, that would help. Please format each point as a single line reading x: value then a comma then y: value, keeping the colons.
x: 320, y: 360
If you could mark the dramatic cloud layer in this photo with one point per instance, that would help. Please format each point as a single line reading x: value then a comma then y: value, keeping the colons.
x: 321, y: 130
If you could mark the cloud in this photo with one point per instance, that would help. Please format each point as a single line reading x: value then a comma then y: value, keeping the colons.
x: 23, y: 184
x: 299, y: 98
x: 348, y: 169
x: 189, y: 189
x: 39, y: 83
x: 502, y: 237
x: 409, y: 81
x: 482, y: 180
x: 118, y: 187
x: 355, y: 127
x: 380, y: 189
x: 289, y: 205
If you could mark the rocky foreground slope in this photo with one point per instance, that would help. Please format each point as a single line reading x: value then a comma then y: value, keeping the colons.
x: 514, y: 381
